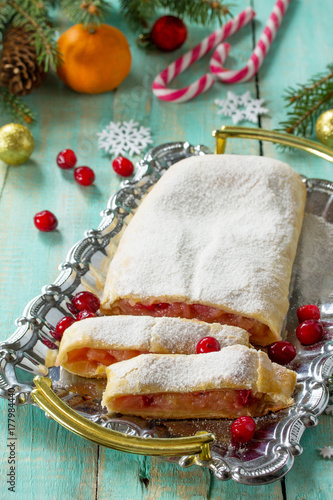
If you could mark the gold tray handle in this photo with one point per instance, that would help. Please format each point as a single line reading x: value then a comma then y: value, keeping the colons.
x: 288, y: 140
x: 48, y: 401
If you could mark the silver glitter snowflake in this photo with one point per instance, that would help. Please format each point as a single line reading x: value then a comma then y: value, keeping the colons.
x: 124, y: 137
x: 326, y: 452
x: 241, y: 107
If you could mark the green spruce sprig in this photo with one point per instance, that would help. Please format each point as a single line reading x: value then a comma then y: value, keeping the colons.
x: 307, y: 102
x: 15, y: 106
x: 87, y: 12
x: 32, y: 15
x: 139, y: 13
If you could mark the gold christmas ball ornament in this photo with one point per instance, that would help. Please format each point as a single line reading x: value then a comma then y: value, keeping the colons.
x: 324, y: 128
x: 16, y: 144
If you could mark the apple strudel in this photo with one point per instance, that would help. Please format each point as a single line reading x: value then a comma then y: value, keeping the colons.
x: 215, y: 239
x: 233, y: 382
x: 90, y: 345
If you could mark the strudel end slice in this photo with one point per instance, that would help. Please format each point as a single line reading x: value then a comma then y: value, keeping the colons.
x: 88, y: 346
x: 233, y: 382
x: 215, y: 239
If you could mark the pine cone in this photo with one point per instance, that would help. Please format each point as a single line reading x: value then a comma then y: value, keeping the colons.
x: 19, y: 70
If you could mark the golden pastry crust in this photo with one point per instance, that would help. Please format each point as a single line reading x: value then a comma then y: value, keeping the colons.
x: 233, y: 368
x: 217, y: 230
x: 139, y: 333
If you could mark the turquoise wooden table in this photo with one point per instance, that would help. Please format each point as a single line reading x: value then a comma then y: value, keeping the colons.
x: 53, y: 463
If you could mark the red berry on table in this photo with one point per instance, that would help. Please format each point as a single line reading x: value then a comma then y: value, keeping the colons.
x: 86, y: 301
x: 123, y: 166
x: 243, y: 429
x: 84, y: 176
x: 208, y: 344
x: 66, y: 159
x: 45, y: 221
x: 168, y: 33
x: 309, y: 311
x: 309, y: 332
x: 63, y: 324
x: 281, y: 352
x: 85, y: 315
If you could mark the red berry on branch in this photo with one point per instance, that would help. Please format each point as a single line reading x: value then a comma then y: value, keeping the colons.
x: 309, y: 332
x: 168, y: 33
x: 86, y: 301
x: 309, y: 311
x: 66, y: 159
x: 208, y: 344
x: 63, y: 324
x: 281, y: 352
x: 45, y: 221
x: 84, y: 176
x: 123, y: 166
x: 243, y: 429
x: 85, y: 315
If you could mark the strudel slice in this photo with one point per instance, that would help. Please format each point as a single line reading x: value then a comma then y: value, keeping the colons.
x: 215, y: 239
x: 233, y: 382
x: 88, y: 346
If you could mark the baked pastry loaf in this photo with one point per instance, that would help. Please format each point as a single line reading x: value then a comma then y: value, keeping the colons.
x: 88, y: 346
x: 229, y: 383
x: 215, y: 239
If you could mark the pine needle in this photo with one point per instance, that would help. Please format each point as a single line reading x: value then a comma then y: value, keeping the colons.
x: 308, y: 101
x: 16, y: 107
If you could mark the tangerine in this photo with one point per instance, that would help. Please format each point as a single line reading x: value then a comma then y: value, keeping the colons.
x: 93, y: 62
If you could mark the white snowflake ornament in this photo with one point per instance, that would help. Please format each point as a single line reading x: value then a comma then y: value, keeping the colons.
x: 241, y: 107
x: 124, y: 137
x: 326, y: 452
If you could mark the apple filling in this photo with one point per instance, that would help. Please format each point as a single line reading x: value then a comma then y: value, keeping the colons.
x: 88, y: 362
x: 223, y: 403
x: 259, y: 332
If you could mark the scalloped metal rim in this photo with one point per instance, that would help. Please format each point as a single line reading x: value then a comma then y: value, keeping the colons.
x: 290, y: 432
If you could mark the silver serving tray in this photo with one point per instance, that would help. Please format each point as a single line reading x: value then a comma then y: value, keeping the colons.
x: 271, y: 454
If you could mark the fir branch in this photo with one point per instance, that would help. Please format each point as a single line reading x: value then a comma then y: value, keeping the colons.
x: 308, y: 101
x: 33, y: 17
x: 140, y: 13
x: 87, y: 12
x: 14, y: 106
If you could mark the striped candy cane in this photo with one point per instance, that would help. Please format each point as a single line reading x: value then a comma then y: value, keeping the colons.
x: 258, y: 55
x: 180, y: 65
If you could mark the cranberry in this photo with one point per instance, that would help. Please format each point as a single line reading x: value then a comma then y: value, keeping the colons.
x: 45, y: 221
x: 123, y: 166
x: 208, y: 344
x: 243, y: 429
x: 85, y: 315
x: 66, y: 159
x: 309, y: 311
x: 63, y: 324
x: 147, y: 400
x: 309, y: 332
x: 245, y: 396
x: 281, y: 352
x: 84, y: 176
x: 49, y: 343
x: 86, y: 301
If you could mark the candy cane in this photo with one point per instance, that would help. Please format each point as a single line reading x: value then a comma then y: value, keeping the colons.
x: 258, y: 55
x: 207, y: 81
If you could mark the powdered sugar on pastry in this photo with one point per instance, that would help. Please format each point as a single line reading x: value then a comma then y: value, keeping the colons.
x: 143, y: 333
x: 220, y: 230
x: 234, y: 367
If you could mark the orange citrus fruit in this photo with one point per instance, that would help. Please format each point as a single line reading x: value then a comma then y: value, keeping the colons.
x: 93, y: 62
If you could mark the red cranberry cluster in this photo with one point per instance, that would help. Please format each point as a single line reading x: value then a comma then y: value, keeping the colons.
x: 123, y: 166
x: 84, y: 305
x: 45, y: 220
x: 310, y: 330
x: 66, y: 160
